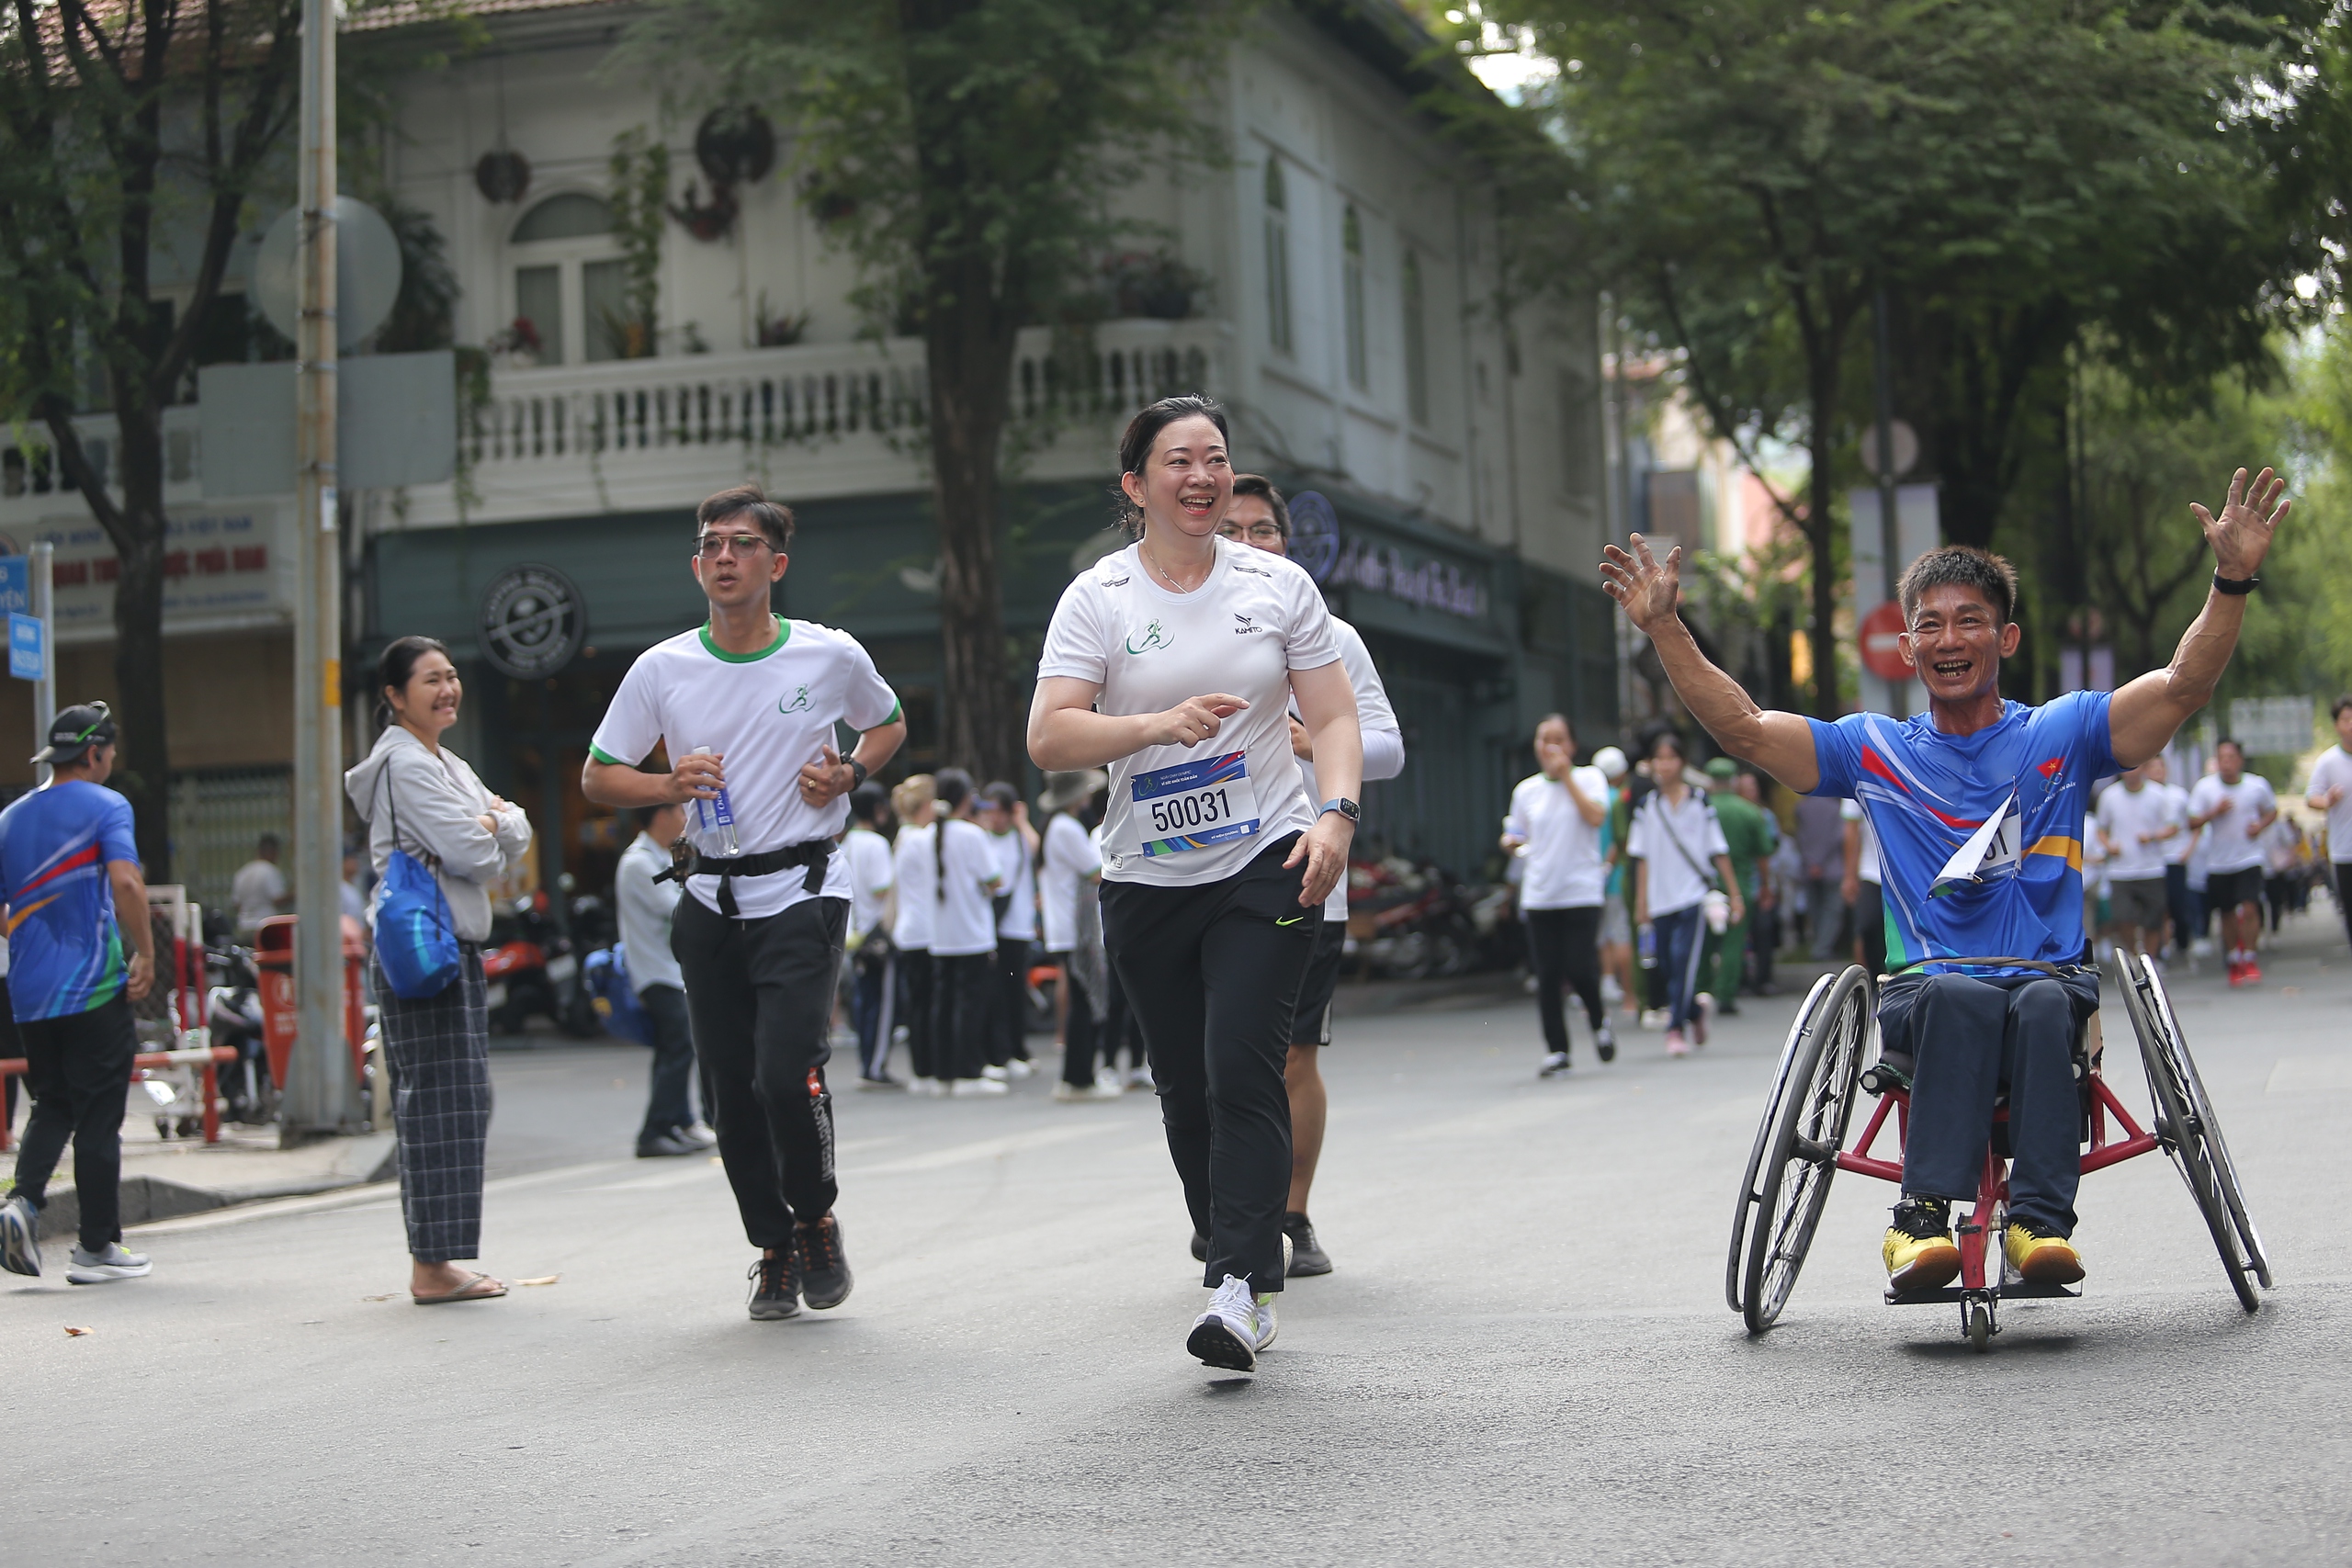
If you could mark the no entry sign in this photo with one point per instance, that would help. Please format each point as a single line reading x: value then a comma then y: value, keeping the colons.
x: 1882, y: 642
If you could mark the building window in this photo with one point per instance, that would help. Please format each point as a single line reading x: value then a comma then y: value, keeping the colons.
x: 1351, y: 246
x: 1278, y: 331
x: 1417, y: 358
x: 568, y: 278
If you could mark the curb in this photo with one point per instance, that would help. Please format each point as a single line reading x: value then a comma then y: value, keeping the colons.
x: 146, y: 1198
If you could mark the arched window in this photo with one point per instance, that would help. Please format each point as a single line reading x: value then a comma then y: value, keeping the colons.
x: 1278, y: 331
x: 1417, y: 362
x: 1351, y: 280
x: 569, y: 279
x: 571, y: 216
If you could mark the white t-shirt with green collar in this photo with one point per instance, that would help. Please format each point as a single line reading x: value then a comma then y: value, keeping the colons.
x: 767, y: 713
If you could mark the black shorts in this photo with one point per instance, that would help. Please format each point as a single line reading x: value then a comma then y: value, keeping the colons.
x: 2226, y: 890
x: 1310, y: 1023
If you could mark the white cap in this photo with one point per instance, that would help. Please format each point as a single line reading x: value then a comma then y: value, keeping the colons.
x: 1611, y: 762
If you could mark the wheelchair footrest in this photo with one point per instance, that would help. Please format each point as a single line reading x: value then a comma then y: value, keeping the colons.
x: 2016, y: 1291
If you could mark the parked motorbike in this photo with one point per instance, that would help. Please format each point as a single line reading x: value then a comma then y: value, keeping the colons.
x: 532, y: 966
x: 232, y: 1011
x: 1414, y: 922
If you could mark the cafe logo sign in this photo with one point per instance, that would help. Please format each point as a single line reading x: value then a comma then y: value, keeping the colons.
x: 533, y: 621
x: 1427, y: 584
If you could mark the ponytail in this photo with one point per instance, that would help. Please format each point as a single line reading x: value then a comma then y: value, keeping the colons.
x: 952, y: 787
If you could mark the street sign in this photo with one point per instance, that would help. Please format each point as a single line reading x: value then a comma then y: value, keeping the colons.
x: 1881, y: 640
x: 15, y: 584
x: 396, y: 423
x: 27, y: 640
x: 366, y: 266
x: 2272, y: 727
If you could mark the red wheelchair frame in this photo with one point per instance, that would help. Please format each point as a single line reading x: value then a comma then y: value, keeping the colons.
x: 1800, y: 1145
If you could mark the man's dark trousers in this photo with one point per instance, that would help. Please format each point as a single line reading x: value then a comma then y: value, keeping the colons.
x: 670, y: 1105
x: 77, y: 1068
x: 761, y: 992
x: 1973, y: 1037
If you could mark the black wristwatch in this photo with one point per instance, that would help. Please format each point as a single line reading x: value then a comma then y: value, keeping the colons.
x: 1345, y: 808
x: 856, y: 772
x: 2237, y: 587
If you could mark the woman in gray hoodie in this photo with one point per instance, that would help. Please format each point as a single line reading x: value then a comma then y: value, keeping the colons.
x: 416, y: 795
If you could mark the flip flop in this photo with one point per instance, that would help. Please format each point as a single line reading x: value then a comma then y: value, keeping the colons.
x: 465, y: 1292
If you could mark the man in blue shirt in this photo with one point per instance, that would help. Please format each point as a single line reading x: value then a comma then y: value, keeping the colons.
x: 1978, y: 807
x: 69, y: 876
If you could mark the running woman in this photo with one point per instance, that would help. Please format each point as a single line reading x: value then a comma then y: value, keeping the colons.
x: 2235, y: 808
x: 745, y: 707
x: 1215, y: 866
x: 1556, y: 819
x: 1261, y: 519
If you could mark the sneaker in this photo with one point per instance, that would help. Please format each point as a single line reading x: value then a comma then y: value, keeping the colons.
x: 20, y: 1236
x: 926, y: 1087
x: 2237, y: 974
x: 967, y: 1088
x: 1918, y: 1250
x: 995, y: 1075
x: 700, y: 1136
x: 1077, y: 1094
x: 1306, y: 1255
x: 1654, y: 1018
x: 1107, y: 1080
x: 1139, y: 1080
x: 1200, y: 1247
x: 1019, y: 1068
x: 1675, y: 1045
x: 885, y: 1081
x: 664, y: 1144
x: 1235, y: 1328
x: 2201, y: 948
x: 824, y: 1268
x: 2041, y: 1255
x: 2253, y: 970
x: 100, y: 1267
x: 1605, y: 1045
x: 1700, y: 1013
x: 776, y: 1287
x: 1553, y: 1066
x: 1611, y: 993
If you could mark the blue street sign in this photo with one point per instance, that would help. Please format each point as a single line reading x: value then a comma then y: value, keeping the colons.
x: 15, y: 584
x: 26, y: 642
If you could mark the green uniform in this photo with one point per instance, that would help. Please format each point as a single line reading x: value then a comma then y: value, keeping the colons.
x: 1749, y: 831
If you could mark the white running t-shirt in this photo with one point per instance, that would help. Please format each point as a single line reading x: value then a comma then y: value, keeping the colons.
x: 870, y: 873
x: 1560, y: 868
x: 963, y: 908
x: 768, y: 714
x: 2335, y: 767
x: 2184, y: 840
x: 918, y: 885
x: 1256, y: 618
x: 2227, y: 846
x: 2124, y: 815
x: 1018, y: 878
x: 1069, y: 855
x: 1384, y: 742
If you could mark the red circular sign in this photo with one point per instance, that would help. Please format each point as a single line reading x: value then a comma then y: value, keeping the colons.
x: 1882, y: 638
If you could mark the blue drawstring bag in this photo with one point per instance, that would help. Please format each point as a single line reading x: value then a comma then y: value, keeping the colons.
x: 611, y: 993
x: 416, y: 936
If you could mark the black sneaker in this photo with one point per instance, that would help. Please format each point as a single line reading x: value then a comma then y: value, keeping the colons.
x: 1605, y: 1045
x: 666, y: 1144
x: 776, y: 1287
x: 1307, y: 1254
x: 1200, y: 1247
x: 824, y: 1268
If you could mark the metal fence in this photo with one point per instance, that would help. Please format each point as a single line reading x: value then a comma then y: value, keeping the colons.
x: 217, y: 815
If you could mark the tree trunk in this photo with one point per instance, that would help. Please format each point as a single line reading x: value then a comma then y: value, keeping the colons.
x: 970, y: 349
x: 143, y: 769
x: 1821, y: 531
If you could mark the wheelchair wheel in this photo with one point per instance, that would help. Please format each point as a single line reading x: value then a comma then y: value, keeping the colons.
x: 1804, y: 1126
x: 2191, y: 1132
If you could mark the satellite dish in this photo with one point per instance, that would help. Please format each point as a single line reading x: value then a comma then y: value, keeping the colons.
x: 367, y: 271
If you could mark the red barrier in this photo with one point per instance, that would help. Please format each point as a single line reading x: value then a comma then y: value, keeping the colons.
x: 212, y: 1057
x: 274, y: 961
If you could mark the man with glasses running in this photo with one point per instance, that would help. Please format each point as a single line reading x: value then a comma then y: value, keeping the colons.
x: 1978, y: 804
x: 745, y: 707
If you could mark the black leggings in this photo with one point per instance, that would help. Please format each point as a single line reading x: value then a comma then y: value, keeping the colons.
x: 1213, y: 980
x: 966, y: 1000
x: 1566, y: 946
x: 1010, y: 1040
x: 914, y: 969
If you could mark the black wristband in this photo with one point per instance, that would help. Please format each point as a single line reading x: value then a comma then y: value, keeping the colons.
x: 856, y: 773
x: 2237, y: 587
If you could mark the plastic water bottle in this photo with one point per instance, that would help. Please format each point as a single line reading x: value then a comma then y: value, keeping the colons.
x: 717, y: 817
x: 1649, y: 946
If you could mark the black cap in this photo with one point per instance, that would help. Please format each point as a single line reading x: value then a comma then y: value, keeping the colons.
x: 75, y: 731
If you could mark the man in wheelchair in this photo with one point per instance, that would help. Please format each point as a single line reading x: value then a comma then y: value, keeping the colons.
x: 1978, y: 807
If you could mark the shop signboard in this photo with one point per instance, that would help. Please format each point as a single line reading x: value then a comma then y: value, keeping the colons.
x: 225, y: 569
x: 2272, y: 727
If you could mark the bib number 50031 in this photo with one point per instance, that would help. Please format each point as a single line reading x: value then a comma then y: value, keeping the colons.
x: 1191, y: 806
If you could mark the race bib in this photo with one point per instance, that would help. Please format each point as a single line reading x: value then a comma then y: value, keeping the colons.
x: 1989, y: 855
x: 1192, y: 807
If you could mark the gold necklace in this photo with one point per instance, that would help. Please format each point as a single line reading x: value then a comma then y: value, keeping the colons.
x: 1169, y: 577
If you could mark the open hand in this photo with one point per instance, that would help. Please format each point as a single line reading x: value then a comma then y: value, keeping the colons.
x: 2241, y: 535
x: 1650, y: 590
x: 1324, y: 848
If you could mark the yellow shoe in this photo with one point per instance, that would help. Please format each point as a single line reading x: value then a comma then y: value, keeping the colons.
x: 2042, y: 1257
x: 1919, y: 1251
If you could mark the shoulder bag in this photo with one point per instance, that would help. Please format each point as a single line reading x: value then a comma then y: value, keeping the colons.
x: 416, y: 936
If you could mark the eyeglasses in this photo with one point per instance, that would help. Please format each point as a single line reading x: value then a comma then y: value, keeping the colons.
x: 1264, y: 532
x: 710, y: 547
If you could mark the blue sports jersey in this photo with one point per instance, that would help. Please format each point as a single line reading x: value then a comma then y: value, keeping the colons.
x: 65, y: 953
x: 2026, y: 780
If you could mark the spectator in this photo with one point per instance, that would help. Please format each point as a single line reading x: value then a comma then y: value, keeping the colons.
x: 645, y: 908
x: 1069, y: 900
x: 913, y: 885
x: 1821, y: 856
x: 1005, y: 816
x: 871, y: 877
x: 1680, y: 857
x: 259, y: 890
x: 1752, y: 837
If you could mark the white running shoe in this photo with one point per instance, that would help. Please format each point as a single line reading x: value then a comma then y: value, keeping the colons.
x: 995, y: 1075
x: 1077, y: 1094
x: 1235, y: 1328
x: 1019, y: 1068
x: 967, y: 1087
x: 700, y: 1136
x: 1107, y: 1080
x: 924, y: 1086
x: 1611, y: 993
x: 1554, y: 1064
x: 20, y: 1236
x: 113, y: 1263
x: 1139, y: 1080
x: 1654, y: 1018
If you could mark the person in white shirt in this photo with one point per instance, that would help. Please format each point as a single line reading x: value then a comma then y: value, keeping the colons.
x: 2235, y: 808
x: 1218, y: 866
x: 745, y: 707
x: 2173, y: 808
x: 1259, y: 518
x: 1069, y: 906
x: 2330, y: 790
x: 1553, y: 829
x: 965, y: 995
x: 1674, y: 841
x: 644, y: 903
x: 2134, y: 825
x: 914, y: 882
x: 1862, y: 886
x: 1004, y: 817
x: 871, y: 876
x: 259, y: 890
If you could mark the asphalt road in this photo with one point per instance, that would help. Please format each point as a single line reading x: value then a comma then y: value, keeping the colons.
x: 1524, y: 1358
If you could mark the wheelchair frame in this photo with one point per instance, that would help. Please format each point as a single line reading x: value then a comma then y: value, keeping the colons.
x: 1800, y: 1145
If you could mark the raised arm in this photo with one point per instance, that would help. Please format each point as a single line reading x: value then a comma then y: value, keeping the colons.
x: 2145, y: 715
x: 1651, y: 590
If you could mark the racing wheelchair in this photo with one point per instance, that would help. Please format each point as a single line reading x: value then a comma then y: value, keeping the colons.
x: 1832, y: 1058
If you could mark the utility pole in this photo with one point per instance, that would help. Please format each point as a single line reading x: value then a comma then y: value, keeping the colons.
x: 318, y: 1094
x: 41, y: 569
x: 1889, y: 546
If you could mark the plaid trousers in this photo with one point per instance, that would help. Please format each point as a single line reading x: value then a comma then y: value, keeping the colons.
x: 439, y: 1051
